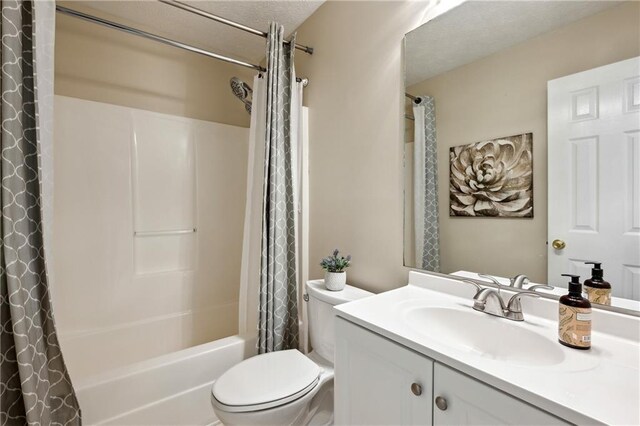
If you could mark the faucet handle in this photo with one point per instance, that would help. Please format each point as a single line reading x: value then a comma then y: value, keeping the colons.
x: 542, y: 286
x: 514, y: 302
x: 493, y: 279
x: 473, y: 283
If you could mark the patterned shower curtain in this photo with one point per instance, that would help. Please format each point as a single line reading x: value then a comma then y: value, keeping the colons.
x: 35, y: 388
x: 278, y: 312
x: 425, y: 166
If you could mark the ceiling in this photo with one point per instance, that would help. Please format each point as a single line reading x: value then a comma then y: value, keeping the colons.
x: 176, y: 24
x: 477, y: 29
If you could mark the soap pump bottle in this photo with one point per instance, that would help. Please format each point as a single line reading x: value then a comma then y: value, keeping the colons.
x: 574, y: 325
x: 598, y: 290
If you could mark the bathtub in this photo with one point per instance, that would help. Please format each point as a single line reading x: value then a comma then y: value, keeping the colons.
x: 172, y: 389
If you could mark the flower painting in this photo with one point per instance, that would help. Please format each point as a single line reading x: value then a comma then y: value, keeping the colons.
x: 492, y: 178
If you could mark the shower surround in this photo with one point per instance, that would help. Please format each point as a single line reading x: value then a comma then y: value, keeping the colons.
x: 148, y: 227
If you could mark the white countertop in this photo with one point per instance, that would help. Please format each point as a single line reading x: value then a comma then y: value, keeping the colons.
x: 601, y: 385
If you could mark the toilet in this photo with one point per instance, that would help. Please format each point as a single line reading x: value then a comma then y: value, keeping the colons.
x: 287, y: 387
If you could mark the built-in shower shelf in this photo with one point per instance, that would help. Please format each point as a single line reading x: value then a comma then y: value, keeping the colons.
x: 160, y: 233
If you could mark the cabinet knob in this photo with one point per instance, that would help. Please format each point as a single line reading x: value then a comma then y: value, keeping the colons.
x: 441, y: 403
x: 416, y: 389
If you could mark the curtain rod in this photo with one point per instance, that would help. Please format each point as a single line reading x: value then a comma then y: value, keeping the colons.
x: 208, y: 15
x: 144, y: 34
x: 169, y: 42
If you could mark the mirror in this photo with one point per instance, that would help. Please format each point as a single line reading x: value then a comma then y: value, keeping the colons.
x: 522, y: 143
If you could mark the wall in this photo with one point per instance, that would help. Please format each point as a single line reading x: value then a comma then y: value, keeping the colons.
x: 355, y: 133
x: 506, y: 94
x: 121, y: 297
x: 101, y: 64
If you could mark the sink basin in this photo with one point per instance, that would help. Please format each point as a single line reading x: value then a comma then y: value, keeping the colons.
x: 485, y: 335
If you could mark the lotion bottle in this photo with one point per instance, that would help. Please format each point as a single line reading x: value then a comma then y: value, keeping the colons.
x: 598, y: 290
x: 574, y: 317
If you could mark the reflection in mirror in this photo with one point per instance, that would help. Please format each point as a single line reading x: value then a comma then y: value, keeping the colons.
x: 522, y: 144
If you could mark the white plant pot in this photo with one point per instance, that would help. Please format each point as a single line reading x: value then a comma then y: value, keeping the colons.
x: 335, y: 281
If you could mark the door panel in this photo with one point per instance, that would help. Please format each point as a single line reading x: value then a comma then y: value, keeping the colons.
x: 470, y: 402
x: 594, y: 175
x: 374, y: 377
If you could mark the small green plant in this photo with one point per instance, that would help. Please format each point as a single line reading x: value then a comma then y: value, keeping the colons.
x: 335, y: 262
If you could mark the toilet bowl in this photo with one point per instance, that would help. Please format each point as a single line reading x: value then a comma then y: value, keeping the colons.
x: 287, y: 387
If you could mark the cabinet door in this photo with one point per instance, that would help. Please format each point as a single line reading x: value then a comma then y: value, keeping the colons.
x: 376, y: 380
x: 470, y: 402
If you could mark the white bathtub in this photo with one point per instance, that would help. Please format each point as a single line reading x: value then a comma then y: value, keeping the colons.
x: 172, y: 389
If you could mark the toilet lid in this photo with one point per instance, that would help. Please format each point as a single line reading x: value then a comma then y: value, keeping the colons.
x: 271, y: 379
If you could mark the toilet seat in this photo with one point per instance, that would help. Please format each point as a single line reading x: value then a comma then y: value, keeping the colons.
x: 264, y: 406
x: 265, y: 381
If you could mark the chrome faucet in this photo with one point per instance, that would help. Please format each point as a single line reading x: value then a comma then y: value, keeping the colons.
x: 514, y: 307
x: 489, y: 301
x: 518, y: 282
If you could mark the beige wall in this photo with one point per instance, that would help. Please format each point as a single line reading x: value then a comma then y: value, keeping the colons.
x: 100, y: 64
x: 505, y: 94
x: 355, y: 133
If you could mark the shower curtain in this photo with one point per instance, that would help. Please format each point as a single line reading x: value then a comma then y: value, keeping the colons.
x: 425, y: 185
x: 34, y: 384
x: 251, y: 247
x: 278, y: 296
x: 251, y: 254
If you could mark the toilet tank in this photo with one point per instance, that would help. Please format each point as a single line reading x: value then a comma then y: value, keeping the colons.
x: 321, y: 316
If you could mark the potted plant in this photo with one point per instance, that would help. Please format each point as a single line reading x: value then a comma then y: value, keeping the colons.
x: 335, y: 276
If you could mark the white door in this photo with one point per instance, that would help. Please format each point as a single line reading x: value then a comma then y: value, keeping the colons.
x: 378, y: 382
x: 461, y: 400
x: 594, y: 175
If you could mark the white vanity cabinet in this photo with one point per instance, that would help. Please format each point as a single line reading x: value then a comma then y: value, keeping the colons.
x: 470, y: 402
x: 378, y: 382
x: 381, y: 382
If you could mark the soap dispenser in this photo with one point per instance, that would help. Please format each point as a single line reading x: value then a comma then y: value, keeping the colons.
x: 598, y: 290
x: 574, y: 322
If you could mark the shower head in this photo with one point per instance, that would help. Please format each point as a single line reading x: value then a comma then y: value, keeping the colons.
x: 242, y: 91
x: 240, y: 88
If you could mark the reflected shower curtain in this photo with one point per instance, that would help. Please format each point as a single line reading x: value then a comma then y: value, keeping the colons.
x: 34, y: 384
x: 425, y: 185
x: 278, y: 312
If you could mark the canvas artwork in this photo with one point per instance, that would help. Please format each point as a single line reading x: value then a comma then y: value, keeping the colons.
x: 492, y: 178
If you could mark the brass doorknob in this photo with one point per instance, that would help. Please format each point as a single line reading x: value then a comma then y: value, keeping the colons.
x: 558, y: 244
